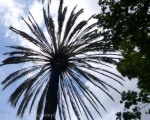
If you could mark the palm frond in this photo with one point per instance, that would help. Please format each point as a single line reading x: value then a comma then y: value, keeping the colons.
x: 83, y: 89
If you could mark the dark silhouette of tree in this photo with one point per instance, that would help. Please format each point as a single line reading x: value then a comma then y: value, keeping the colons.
x: 126, y: 24
x: 60, y: 66
x: 134, y: 104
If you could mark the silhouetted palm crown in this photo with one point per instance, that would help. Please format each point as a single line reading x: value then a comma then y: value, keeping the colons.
x: 70, y: 57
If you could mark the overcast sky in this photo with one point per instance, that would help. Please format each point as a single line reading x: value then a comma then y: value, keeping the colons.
x: 10, y: 14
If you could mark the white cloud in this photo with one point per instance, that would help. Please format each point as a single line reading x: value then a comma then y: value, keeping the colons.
x: 11, y: 12
x: 36, y: 10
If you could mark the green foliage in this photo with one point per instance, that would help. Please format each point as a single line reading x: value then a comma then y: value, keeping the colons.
x: 126, y: 23
x: 133, y: 103
x: 134, y: 115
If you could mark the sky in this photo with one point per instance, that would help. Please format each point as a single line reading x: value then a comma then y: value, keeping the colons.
x: 10, y: 15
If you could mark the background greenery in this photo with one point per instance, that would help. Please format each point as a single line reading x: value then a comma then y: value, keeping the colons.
x: 126, y: 24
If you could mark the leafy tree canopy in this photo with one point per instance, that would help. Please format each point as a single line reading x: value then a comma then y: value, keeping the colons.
x: 127, y: 24
x: 134, y: 103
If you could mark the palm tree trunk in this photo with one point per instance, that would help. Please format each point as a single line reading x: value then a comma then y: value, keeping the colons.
x: 51, y: 97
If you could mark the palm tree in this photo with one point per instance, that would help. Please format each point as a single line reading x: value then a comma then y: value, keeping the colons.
x: 61, y: 66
